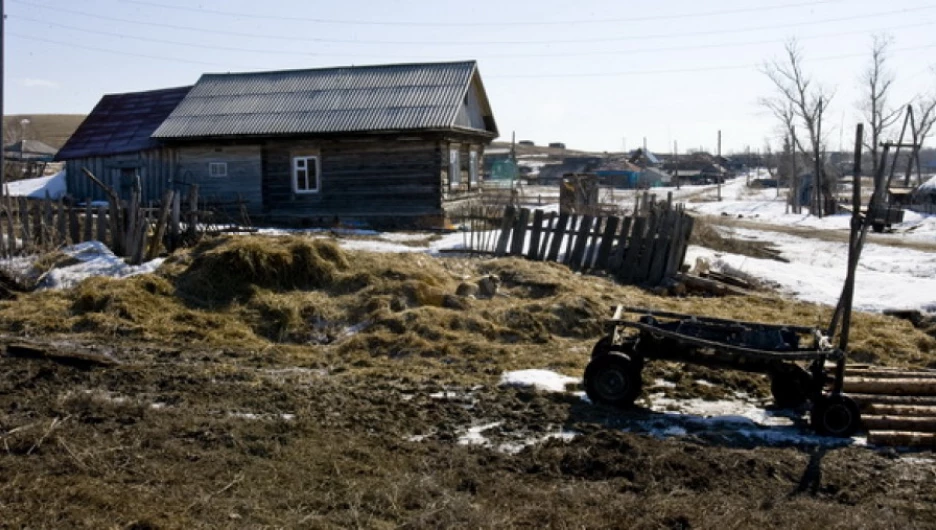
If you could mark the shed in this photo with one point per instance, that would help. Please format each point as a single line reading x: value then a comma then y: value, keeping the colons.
x: 386, y: 144
x: 114, y: 143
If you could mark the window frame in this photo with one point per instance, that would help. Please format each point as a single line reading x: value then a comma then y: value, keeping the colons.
x: 212, y: 166
x: 312, y: 161
x: 454, y: 167
x: 473, y: 167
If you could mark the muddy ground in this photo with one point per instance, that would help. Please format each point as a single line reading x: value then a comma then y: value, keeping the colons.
x: 366, y: 427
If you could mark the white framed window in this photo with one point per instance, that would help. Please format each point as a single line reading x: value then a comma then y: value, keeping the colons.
x: 217, y: 169
x: 454, y: 167
x: 305, y: 174
x: 473, y: 167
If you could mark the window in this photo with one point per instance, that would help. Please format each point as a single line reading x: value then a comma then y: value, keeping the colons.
x: 473, y: 167
x: 217, y: 169
x: 454, y: 167
x: 305, y: 174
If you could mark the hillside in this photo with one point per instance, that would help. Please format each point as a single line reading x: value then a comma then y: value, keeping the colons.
x: 53, y: 129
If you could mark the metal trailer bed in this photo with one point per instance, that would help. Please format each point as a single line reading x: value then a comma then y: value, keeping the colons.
x: 797, y: 373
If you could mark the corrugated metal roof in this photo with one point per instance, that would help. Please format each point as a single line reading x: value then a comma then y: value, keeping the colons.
x: 122, y: 123
x: 347, y: 99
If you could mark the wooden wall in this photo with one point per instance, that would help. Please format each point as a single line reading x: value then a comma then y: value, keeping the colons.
x: 243, y: 172
x: 370, y: 177
x: 155, y: 167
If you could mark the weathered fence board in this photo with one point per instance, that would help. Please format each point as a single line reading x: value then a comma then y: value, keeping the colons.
x: 645, y: 248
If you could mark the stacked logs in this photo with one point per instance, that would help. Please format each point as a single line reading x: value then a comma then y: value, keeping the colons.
x: 898, y: 407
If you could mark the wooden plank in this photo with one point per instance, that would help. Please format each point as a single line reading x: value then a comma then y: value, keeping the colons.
x: 648, y: 248
x: 193, y: 211
x: 102, y: 224
x: 74, y: 228
x: 550, y: 226
x: 591, y: 249
x: 570, y: 240
x: 175, y: 221
x: 902, y: 439
x: 905, y: 386
x: 632, y: 254
x: 61, y: 224
x: 161, y: 222
x: 11, y: 228
x: 533, y: 252
x: 899, y: 423
x: 4, y: 250
x: 24, y: 225
x: 48, y: 221
x: 671, y: 266
x: 607, y: 241
x: 37, y: 227
x: 581, y: 242
x: 507, y: 223
x: 88, y: 223
x: 520, y: 231
x: 616, y: 259
x: 661, y: 249
x: 558, y: 232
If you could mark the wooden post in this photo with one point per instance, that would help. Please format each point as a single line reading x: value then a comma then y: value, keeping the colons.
x: 102, y: 224
x: 627, y: 270
x: 89, y: 222
x: 507, y: 224
x: 62, y: 223
x: 533, y: 252
x: 607, y: 241
x: 648, y: 247
x: 516, y: 246
x: 616, y: 260
x: 558, y: 233
x: 24, y: 221
x: 11, y: 229
x: 581, y: 242
x: 174, y: 221
x: 193, y: 211
x: 163, y: 218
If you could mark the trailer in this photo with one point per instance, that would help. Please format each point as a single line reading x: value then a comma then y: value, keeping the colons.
x: 794, y: 357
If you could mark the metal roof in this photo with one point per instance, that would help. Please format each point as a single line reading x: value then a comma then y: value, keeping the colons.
x: 122, y: 123
x: 25, y: 150
x: 329, y: 100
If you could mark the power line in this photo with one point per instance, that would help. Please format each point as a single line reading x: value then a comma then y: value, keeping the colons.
x: 119, y: 52
x: 475, y: 42
x: 692, y: 70
x: 758, y: 9
x: 507, y: 76
x: 486, y: 56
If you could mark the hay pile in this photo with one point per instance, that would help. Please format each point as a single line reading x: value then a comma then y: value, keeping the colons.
x: 356, y: 308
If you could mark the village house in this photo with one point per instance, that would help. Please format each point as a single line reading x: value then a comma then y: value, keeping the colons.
x: 389, y: 144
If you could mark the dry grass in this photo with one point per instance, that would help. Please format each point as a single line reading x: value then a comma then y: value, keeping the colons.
x: 356, y: 347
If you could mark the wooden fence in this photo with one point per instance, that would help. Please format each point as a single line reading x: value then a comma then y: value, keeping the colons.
x: 130, y: 229
x: 639, y: 249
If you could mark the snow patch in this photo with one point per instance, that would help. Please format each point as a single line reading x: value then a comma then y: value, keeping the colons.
x: 541, y: 379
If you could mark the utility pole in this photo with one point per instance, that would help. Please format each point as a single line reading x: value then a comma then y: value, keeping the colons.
x: 2, y: 120
x: 719, y: 176
x: 676, y: 163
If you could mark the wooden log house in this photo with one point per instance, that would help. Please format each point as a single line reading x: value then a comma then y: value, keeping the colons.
x: 398, y: 145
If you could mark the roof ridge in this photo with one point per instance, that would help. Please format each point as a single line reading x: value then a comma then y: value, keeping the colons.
x: 345, y: 67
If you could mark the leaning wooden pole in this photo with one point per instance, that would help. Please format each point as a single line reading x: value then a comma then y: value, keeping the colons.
x: 844, y: 307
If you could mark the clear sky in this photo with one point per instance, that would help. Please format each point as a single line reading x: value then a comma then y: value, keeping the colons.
x: 595, y: 74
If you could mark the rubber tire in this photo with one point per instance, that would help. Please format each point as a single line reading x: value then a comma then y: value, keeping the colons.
x: 613, y: 379
x: 790, y: 387
x: 878, y: 227
x: 836, y: 415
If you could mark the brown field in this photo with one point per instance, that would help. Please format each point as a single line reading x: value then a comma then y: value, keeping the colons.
x: 52, y: 129
x: 287, y: 383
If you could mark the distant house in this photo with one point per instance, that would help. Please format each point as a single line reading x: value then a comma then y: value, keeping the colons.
x: 388, y: 144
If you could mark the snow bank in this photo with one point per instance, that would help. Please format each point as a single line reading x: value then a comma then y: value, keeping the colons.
x: 38, y: 187
x: 94, y: 259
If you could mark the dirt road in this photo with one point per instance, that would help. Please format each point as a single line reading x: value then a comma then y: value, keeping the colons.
x: 841, y: 236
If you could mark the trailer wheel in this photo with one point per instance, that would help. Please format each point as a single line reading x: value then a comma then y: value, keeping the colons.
x: 790, y: 387
x: 836, y: 415
x: 877, y: 227
x: 613, y: 379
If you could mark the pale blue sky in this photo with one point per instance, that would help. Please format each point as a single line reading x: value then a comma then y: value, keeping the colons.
x: 593, y: 74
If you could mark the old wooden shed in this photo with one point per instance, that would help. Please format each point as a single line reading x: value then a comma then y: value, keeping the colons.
x: 388, y: 144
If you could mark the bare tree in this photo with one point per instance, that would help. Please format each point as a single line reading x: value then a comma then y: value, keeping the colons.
x: 924, y: 117
x: 808, y: 102
x: 877, y: 81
